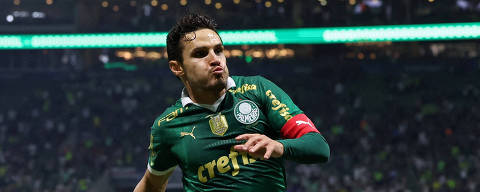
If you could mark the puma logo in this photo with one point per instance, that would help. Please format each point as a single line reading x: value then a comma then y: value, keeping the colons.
x: 188, y: 133
x: 303, y: 122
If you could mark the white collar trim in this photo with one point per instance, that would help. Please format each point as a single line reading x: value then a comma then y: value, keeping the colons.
x: 185, y: 99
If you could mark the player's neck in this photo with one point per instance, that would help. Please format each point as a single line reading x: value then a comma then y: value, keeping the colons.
x: 202, y: 96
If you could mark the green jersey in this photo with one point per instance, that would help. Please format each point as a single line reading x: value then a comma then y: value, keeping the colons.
x: 201, y: 140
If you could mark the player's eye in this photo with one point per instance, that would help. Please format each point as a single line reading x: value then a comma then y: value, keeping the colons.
x: 218, y: 50
x: 200, y: 53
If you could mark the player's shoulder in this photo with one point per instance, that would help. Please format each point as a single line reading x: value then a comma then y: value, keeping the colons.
x: 248, y: 83
x: 168, y: 115
x: 251, y: 84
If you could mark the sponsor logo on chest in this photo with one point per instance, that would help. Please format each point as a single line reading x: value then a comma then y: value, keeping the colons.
x: 246, y: 112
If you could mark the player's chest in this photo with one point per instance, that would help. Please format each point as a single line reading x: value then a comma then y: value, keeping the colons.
x: 208, y: 136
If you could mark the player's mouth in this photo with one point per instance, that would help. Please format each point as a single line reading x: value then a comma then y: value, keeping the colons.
x: 217, y: 70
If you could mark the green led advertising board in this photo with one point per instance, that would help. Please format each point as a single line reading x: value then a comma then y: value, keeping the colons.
x: 423, y: 32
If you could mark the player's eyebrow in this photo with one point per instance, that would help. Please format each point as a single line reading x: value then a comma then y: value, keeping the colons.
x: 206, y: 47
x: 216, y: 45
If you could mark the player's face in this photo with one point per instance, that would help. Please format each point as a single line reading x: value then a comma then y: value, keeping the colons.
x: 204, y: 63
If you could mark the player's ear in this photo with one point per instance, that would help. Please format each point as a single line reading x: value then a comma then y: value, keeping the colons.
x: 176, y: 68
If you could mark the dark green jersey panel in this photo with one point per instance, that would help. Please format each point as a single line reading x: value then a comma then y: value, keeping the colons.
x: 200, y: 141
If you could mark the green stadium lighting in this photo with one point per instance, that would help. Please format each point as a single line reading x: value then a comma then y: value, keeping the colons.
x: 10, y: 42
x: 98, y: 40
x: 423, y: 32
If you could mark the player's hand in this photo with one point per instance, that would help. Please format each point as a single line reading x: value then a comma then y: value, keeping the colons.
x: 259, y: 146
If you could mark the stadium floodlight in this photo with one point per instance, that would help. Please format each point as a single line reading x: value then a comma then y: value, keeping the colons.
x: 422, y: 32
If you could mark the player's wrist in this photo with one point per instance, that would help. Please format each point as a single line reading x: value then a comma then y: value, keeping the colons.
x: 280, y: 148
x: 286, y: 147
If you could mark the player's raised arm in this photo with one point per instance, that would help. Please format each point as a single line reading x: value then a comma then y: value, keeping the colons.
x: 152, y: 183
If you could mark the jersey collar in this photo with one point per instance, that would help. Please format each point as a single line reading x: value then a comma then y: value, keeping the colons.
x: 186, y: 99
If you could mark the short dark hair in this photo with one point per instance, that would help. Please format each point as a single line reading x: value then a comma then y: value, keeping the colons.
x: 188, y: 23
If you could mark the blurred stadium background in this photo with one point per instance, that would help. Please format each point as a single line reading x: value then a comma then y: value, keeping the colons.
x: 398, y: 104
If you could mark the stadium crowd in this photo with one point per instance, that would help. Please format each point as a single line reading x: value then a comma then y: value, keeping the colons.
x: 154, y: 15
x: 143, y: 16
x: 391, y: 126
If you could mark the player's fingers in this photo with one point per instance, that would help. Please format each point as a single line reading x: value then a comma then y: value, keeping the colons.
x: 258, y: 145
x: 245, y: 136
x: 268, y: 152
x: 240, y: 148
x: 250, y: 142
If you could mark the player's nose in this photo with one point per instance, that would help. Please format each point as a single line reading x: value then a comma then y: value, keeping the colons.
x: 213, y: 59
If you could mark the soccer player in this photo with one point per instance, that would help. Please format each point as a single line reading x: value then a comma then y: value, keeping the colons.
x: 227, y: 133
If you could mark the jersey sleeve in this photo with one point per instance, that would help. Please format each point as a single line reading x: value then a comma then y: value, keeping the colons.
x: 298, y: 131
x: 283, y: 115
x: 160, y: 160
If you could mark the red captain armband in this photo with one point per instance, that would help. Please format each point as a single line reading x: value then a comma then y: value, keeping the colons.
x: 298, y: 126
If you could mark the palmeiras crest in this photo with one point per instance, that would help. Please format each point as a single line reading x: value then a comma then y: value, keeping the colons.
x: 246, y: 112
